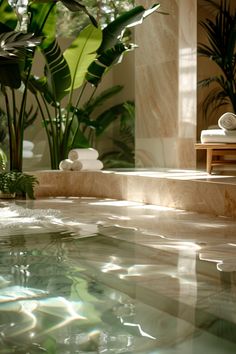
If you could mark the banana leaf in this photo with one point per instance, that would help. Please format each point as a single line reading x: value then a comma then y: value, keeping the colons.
x: 113, y: 32
x: 14, y: 47
x: 57, y: 73
x: 81, y: 53
x: 112, y: 49
x: 98, y: 67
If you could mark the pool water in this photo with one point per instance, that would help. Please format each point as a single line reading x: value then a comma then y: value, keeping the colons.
x: 104, y: 293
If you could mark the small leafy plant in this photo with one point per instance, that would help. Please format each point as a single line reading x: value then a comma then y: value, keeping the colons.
x: 18, y: 183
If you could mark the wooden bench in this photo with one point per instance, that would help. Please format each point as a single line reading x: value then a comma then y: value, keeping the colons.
x: 216, y: 153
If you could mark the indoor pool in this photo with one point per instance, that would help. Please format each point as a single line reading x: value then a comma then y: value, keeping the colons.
x: 93, y: 276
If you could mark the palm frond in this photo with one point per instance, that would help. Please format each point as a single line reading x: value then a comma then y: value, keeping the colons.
x: 221, y: 46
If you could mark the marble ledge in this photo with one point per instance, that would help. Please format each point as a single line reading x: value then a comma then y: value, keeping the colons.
x: 191, y: 192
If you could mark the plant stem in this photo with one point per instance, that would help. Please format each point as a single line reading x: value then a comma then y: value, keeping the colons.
x: 11, y: 130
x: 46, y: 128
x: 54, y: 164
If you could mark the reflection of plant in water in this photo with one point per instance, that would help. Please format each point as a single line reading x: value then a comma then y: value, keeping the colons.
x: 38, y: 307
x: 51, y: 301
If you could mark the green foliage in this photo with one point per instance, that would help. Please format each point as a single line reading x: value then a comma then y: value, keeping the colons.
x: 17, y: 182
x: 89, y: 57
x: 21, y: 32
x: 67, y: 76
x: 105, y: 11
x: 122, y: 156
x: 221, y: 50
x: 3, y: 160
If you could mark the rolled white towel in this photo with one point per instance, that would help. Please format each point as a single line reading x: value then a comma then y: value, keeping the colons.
x: 227, y: 121
x: 65, y: 165
x: 87, y: 165
x: 83, y: 154
x: 76, y: 165
x: 27, y: 154
x: 28, y: 145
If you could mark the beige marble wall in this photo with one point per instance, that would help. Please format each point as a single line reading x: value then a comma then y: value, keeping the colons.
x: 191, y: 191
x: 165, y: 86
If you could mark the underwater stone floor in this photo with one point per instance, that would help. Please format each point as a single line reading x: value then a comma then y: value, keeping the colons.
x: 163, y: 279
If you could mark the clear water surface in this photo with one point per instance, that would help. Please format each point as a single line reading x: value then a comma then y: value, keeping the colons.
x: 104, y: 293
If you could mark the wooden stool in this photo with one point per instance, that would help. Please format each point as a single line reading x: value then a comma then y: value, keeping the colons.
x: 216, y: 153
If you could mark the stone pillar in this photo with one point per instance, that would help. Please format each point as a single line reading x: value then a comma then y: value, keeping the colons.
x: 165, y: 86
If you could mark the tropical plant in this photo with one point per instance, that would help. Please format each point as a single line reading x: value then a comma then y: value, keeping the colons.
x: 71, y: 23
x: 82, y: 66
x: 3, y: 160
x: 22, y: 29
x: 18, y: 183
x: 221, y: 50
x: 122, y: 155
x: 93, y: 124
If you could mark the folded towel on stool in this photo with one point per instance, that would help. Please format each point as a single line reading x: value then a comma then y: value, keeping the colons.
x: 227, y: 121
x: 83, y: 154
x: 65, y: 165
x: 87, y: 165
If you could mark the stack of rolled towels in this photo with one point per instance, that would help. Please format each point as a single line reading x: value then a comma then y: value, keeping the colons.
x: 28, y: 147
x: 225, y: 132
x: 81, y: 159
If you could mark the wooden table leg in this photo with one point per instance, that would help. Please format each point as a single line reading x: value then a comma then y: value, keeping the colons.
x: 209, y: 160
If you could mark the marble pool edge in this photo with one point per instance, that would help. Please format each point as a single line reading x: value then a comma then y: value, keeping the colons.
x: 197, y: 195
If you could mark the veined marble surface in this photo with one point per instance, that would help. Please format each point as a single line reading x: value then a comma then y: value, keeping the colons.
x: 163, y: 279
x: 183, y: 189
x: 165, y: 86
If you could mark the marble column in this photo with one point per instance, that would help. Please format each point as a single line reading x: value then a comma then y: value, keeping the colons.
x: 165, y: 86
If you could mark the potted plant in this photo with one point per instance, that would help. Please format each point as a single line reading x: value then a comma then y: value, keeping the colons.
x: 18, y: 184
x: 221, y: 51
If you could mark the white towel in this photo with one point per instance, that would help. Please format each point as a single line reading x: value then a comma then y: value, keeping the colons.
x: 27, y: 154
x: 28, y: 145
x: 227, y: 121
x: 87, y: 165
x: 76, y: 165
x: 218, y: 136
x: 65, y: 165
x: 83, y: 154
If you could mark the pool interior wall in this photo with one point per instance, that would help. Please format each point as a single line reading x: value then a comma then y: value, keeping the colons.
x: 105, y: 275
x: 182, y: 189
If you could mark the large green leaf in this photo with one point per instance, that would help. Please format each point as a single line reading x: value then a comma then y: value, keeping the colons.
x: 110, y: 57
x: 81, y: 53
x: 112, y: 49
x: 113, y: 32
x: 8, y: 18
x: 43, y: 21
x: 57, y: 72
x: 14, y: 47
